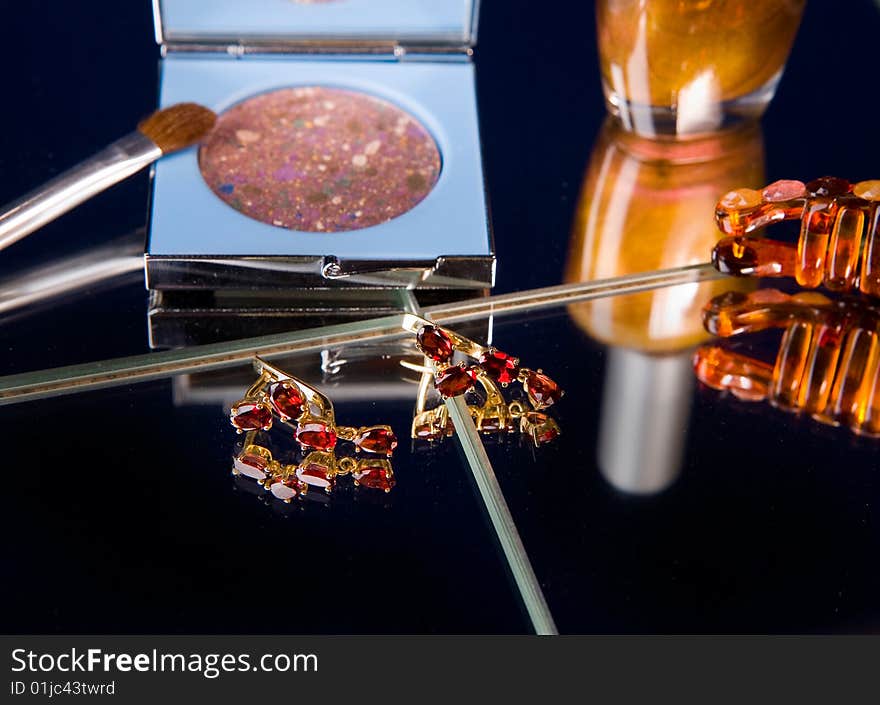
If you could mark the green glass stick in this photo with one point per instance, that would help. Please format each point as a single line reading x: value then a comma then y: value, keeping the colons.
x: 141, y: 368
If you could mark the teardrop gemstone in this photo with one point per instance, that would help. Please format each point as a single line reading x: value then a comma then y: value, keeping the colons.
x: 316, y: 434
x: 828, y: 187
x: 542, y: 428
x: 286, y: 400
x: 250, y: 416
x: 376, y: 439
x: 434, y: 343
x: 285, y: 490
x: 453, y: 381
x: 542, y: 390
x: 784, y: 190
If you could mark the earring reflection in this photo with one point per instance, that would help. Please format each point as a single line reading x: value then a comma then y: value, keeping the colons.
x: 318, y: 469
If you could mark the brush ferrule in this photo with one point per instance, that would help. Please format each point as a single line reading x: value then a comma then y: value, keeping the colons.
x: 67, y: 190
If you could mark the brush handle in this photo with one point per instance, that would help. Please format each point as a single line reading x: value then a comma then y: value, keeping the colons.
x: 67, y: 190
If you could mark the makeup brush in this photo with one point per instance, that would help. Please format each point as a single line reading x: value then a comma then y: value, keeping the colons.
x: 165, y: 131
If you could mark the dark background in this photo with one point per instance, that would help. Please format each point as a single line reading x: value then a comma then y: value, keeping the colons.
x: 118, y: 511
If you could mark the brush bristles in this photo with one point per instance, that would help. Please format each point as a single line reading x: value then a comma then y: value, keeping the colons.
x: 179, y: 126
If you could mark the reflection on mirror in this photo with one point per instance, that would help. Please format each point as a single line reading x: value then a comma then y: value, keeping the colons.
x: 316, y: 469
x: 34, y: 290
x: 827, y: 362
x: 365, y: 372
x: 648, y: 204
x: 176, y: 320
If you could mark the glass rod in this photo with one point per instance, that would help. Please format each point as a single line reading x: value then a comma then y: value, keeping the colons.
x: 141, y: 368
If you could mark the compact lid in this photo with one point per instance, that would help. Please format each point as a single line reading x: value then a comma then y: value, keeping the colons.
x: 227, y: 22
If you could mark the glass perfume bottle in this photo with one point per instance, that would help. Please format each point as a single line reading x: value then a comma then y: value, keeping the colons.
x: 686, y: 67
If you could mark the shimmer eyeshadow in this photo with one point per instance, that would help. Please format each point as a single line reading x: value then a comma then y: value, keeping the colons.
x: 317, y: 159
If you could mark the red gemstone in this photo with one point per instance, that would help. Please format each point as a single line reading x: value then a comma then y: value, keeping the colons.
x: 315, y: 474
x: 376, y: 440
x: 250, y: 416
x: 828, y: 186
x: 454, y: 381
x: 315, y: 434
x: 544, y: 429
x: 376, y: 477
x: 285, y: 490
x: 499, y: 366
x: 251, y: 465
x: 434, y: 343
x: 287, y: 400
x: 542, y: 390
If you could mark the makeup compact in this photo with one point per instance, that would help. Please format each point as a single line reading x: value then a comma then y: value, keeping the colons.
x: 345, y: 159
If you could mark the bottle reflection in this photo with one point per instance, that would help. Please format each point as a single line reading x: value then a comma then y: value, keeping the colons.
x: 647, y: 205
x: 827, y: 363
x: 645, y: 406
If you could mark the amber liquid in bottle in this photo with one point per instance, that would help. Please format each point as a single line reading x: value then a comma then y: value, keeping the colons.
x: 694, y: 59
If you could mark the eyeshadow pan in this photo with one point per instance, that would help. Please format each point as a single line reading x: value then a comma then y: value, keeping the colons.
x: 317, y: 159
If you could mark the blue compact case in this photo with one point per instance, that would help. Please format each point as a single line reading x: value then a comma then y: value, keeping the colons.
x: 413, y: 54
